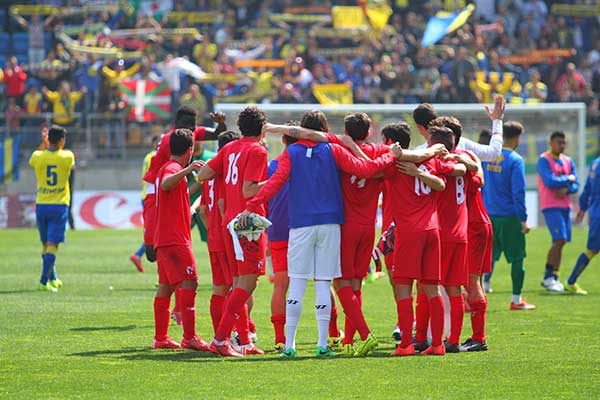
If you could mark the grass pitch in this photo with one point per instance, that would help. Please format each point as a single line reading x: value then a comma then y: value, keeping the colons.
x: 92, y: 339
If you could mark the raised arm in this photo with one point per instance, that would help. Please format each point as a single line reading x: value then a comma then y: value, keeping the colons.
x: 492, y: 151
x: 213, y: 133
x: 170, y: 181
x: 420, y: 155
x: 296, y: 132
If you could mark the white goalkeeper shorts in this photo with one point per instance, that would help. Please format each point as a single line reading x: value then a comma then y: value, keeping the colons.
x: 314, y: 252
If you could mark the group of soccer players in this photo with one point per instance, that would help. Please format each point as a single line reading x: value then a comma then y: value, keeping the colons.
x: 321, y: 197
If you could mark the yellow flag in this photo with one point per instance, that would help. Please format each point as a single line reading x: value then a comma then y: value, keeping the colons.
x: 333, y: 93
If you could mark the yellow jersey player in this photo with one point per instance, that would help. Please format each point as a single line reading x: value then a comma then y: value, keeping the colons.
x: 52, y: 165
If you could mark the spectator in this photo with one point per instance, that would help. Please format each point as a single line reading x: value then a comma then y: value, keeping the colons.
x: 461, y: 74
x: 63, y: 103
x: 33, y: 100
x: 113, y: 106
x: 446, y: 92
x: 535, y: 91
x: 14, y: 79
x: 35, y: 29
x: 12, y: 114
x: 195, y: 100
x: 571, y: 85
x: 119, y: 73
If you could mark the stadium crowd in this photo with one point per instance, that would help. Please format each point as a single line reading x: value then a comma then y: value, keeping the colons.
x: 503, y: 48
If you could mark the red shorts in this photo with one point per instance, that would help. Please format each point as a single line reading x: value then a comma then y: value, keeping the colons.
x: 356, y: 250
x: 389, y: 261
x: 454, y: 264
x: 417, y: 256
x: 175, y: 264
x: 255, y: 254
x: 279, y: 250
x: 221, y: 273
x: 479, y: 248
x: 149, y: 219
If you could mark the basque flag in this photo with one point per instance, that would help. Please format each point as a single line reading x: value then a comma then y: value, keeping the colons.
x: 444, y: 23
x: 9, y: 160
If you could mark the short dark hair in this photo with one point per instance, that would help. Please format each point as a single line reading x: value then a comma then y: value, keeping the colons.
x: 557, y: 134
x: 251, y: 121
x: 485, y: 136
x: 443, y: 135
x: 181, y: 140
x: 398, y: 132
x: 451, y: 123
x: 512, y: 129
x: 357, y: 125
x: 315, y: 120
x: 185, y: 118
x: 289, y: 139
x: 56, y: 134
x: 227, y: 137
x: 424, y: 114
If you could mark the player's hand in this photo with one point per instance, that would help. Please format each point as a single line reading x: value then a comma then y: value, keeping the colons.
x: 407, y: 168
x: 498, y: 111
x: 218, y: 117
x: 450, y: 157
x: 196, y: 165
x: 267, y: 128
x: 572, y: 178
x: 242, y: 223
x: 439, y: 149
x: 347, y: 141
x: 579, y: 217
x: 44, y: 136
x: 396, y: 149
x: 525, y: 228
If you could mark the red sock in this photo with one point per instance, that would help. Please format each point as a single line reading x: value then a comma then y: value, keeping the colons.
x: 217, y: 305
x: 422, y: 317
x: 436, y: 311
x: 334, y: 331
x: 187, y: 299
x: 349, y: 331
x: 405, y: 320
x: 457, y: 317
x: 162, y: 316
x: 278, y: 321
x: 358, y: 295
x: 251, y: 324
x: 242, y: 327
x: 177, y: 308
x: 478, y: 312
x: 235, y: 304
x: 352, y: 310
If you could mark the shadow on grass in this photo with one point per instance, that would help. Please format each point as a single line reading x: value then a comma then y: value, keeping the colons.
x: 103, y: 328
x: 18, y: 291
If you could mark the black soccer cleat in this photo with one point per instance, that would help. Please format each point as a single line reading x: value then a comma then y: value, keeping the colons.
x: 451, y: 347
x: 420, y: 346
x: 472, y: 345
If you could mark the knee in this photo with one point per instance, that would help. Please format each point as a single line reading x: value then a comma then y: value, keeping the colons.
x: 560, y: 243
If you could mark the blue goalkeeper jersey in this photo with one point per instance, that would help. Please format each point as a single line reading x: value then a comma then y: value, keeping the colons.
x: 590, y: 197
x: 504, y: 190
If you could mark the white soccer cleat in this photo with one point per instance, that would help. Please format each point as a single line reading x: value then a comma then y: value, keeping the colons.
x: 551, y: 285
x: 253, y: 337
x: 560, y: 285
x: 487, y: 287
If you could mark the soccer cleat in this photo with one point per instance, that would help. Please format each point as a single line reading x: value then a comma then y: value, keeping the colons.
x: 224, y: 350
x: 335, y: 342
x: 451, y: 347
x: 522, y: 306
x: 253, y: 337
x: 396, y: 334
x: 366, y: 346
x: 288, y: 353
x: 347, y: 350
x: 471, y: 345
x: 137, y: 261
x: 574, y: 289
x: 248, y: 350
x: 279, y: 347
x: 434, y: 351
x: 559, y: 284
x: 323, y: 352
x: 195, y: 343
x: 56, y: 283
x: 176, y: 316
x: 551, y: 285
x: 404, y: 351
x: 168, y: 343
x: 420, y: 347
x: 47, y: 288
x: 487, y: 287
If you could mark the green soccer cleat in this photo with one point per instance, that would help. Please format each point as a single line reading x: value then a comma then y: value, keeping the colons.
x: 289, y: 353
x: 575, y: 289
x: 347, y: 350
x: 57, y: 283
x: 47, y: 288
x: 323, y: 352
x: 366, y: 346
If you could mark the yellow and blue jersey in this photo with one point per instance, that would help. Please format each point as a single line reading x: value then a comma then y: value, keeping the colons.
x: 52, y: 171
x: 590, y: 197
x: 145, y: 168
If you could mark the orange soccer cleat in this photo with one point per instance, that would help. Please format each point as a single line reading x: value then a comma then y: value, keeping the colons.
x: 523, y: 305
x: 434, y: 351
x: 196, y: 343
x: 404, y: 351
x: 224, y: 350
x: 168, y: 343
x: 137, y: 261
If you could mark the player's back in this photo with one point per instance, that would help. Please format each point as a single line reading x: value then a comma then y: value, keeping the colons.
x: 452, y: 209
x: 173, y: 214
x: 503, y: 179
x: 211, y: 194
x: 477, y: 210
x: 52, y: 171
x: 361, y: 196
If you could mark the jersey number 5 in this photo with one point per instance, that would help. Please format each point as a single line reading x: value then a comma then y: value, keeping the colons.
x: 232, y: 169
x: 51, y: 175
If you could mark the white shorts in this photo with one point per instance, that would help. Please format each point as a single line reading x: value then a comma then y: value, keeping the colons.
x: 314, y: 252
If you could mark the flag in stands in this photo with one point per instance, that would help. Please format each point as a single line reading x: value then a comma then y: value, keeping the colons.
x: 9, y: 160
x: 146, y: 100
x: 149, y: 7
x: 333, y: 93
x: 444, y: 23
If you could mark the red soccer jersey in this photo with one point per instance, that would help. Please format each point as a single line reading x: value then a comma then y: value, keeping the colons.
x: 452, y: 209
x: 386, y: 206
x: 413, y: 205
x: 172, y: 210
x: 212, y: 191
x: 242, y: 160
x: 163, y: 153
x: 476, y: 209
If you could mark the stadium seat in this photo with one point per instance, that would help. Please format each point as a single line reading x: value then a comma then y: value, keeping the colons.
x: 4, y: 43
x: 3, y: 60
x: 20, y: 42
